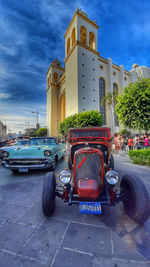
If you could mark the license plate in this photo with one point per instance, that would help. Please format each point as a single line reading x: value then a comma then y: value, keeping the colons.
x: 90, y: 207
x: 23, y: 170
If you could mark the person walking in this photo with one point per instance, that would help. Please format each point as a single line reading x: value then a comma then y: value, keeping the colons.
x: 135, y: 140
x: 130, y: 143
x: 146, y: 143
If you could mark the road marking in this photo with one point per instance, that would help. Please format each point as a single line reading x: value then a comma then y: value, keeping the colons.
x: 59, y: 245
x: 79, y: 251
x: 23, y: 256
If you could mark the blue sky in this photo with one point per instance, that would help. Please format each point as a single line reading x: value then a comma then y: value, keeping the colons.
x: 32, y: 35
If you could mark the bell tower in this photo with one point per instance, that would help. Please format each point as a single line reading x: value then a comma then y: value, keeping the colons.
x: 54, y: 74
x: 81, y: 64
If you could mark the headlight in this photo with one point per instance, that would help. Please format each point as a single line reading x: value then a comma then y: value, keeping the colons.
x: 112, y: 177
x: 47, y: 153
x: 65, y: 177
x: 5, y: 154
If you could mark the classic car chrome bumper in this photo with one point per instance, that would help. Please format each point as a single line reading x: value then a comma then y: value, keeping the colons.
x: 15, y: 164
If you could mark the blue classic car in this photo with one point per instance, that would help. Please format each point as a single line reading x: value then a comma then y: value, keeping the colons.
x: 18, y: 144
x: 41, y: 153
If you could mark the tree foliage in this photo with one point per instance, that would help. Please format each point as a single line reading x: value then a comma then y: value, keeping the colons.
x: 125, y: 133
x: 42, y: 132
x: 81, y: 120
x: 133, y: 107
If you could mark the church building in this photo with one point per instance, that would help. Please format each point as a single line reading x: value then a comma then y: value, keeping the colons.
x: 86, y: 78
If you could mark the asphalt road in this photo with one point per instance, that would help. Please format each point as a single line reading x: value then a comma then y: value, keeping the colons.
x: 68, y: 238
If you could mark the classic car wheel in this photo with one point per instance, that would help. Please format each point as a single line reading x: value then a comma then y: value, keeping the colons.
x: 48, y: 194
x: 135, y: 198
x: 111, y: 163
x: 69, y: 164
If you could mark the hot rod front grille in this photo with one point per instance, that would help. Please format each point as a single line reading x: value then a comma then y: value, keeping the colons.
x: 101, y: 147
x: 88, y: 165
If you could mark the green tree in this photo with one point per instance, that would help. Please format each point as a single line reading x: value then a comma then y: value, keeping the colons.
x: 42, y: 132
x: 133, y: 107
x: 81, y: 120
x: 125, y: 133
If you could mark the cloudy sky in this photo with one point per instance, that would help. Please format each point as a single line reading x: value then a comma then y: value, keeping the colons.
x: 32, y: 35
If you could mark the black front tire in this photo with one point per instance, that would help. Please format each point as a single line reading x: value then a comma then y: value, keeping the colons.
x: 136, y: 202
x: 111, y: 163
x: 48, y: 194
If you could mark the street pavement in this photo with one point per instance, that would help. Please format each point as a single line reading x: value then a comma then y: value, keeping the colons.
x: 68, y: 238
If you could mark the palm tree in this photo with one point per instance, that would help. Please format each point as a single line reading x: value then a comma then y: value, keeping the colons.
x: 111, y: 100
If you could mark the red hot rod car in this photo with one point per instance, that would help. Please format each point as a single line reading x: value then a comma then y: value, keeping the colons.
x: 91, y: 181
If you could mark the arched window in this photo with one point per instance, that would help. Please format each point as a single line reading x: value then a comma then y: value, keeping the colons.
x: 83, y: 35
x: 73, y: 36
x: 101, y: 95
x: 55, y: 77
x: 115, y: 91
x: 92, y: 40
x: 68, y: 45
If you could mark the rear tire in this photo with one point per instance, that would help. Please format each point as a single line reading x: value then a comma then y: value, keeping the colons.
x: 111, y: 163
x: 137, y: 203
x: 48, y: 194
x: 69, y: 163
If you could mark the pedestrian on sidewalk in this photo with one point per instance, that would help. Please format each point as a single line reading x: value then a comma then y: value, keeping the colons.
x: 146, y: 143
x: 130, y: 143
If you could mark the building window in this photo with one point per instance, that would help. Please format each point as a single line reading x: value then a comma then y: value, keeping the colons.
x: 114, y: 73
x: 73, y: 36
x: 83, y: 86
x: 82, y: 75
x: 91, y: 40
x: 83, y: 35
x: 93, y: 69
x: 83, y: 65
x: 102, y: 94
x: 83, y: 97
x: 93, y: 90
x: 82, y: 54
x: 94, y: 100
x: 125, y: 78
x: 55, y: 77
x: 101, y: 67
x: 68, y: 45
x: 93, y: 80
x: 93, y: 59
x: 115, y: 89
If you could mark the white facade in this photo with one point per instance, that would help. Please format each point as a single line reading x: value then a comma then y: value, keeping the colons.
x: 86, y: 78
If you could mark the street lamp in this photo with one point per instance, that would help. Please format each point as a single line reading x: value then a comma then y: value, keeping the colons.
x: 37, y: 113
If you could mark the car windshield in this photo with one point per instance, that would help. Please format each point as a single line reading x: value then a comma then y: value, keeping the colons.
x: 87, y: 133
x: 22, y: 142
x: 42, y: 141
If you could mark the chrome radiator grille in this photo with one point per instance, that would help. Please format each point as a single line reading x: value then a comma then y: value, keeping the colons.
x: 88, y: 165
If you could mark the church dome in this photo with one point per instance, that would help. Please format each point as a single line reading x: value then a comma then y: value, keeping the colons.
x: 141, y: 72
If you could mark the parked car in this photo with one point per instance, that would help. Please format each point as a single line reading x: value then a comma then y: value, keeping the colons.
x: 41, y: 153
x: 92, y: 183
x: 16, y: 145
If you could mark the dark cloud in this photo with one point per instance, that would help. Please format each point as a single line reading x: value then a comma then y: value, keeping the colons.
x: 32, y: 35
